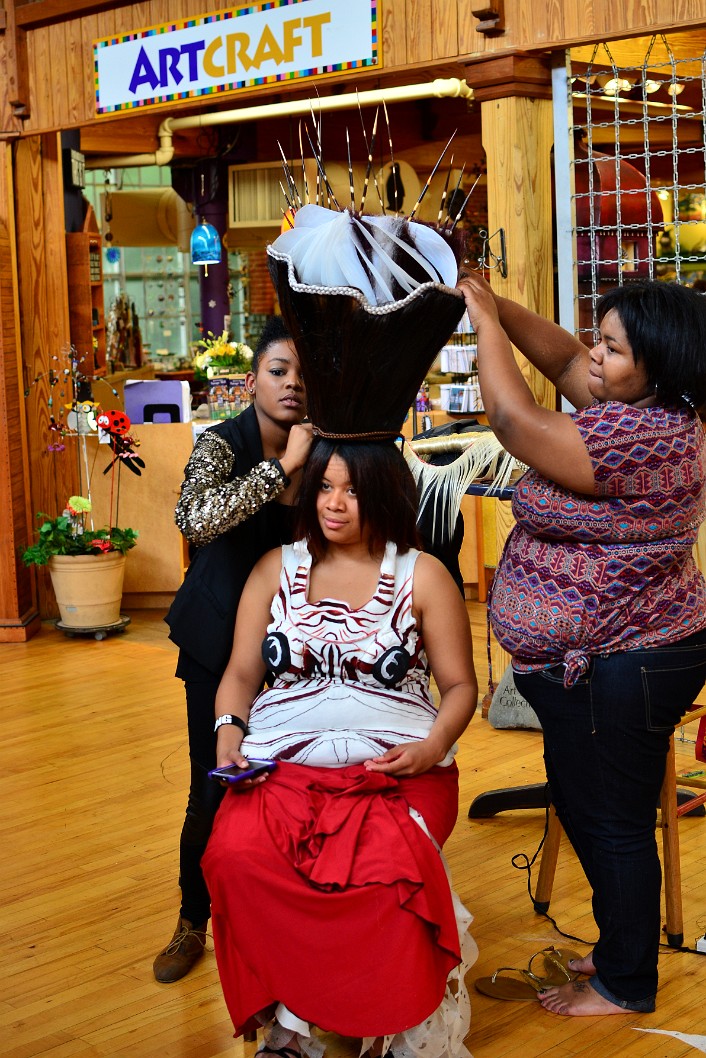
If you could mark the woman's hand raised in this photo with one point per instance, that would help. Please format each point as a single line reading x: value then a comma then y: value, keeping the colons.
x: 479, y: 299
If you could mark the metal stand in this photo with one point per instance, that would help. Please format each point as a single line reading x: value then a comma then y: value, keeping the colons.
x: 98, y: 631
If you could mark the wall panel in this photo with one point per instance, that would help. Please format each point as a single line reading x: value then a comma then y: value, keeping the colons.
x: 445, y: 30
x: 85, y: 98
x: 419, y: 24
x: 41, y: 77
x: 76, y: 71
x: 392, y: 14
x: 413, y: 33
x: 63, y: 99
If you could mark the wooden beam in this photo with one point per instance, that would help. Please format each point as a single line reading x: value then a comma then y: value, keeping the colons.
x: 36, y: 13
x: 514, y: 74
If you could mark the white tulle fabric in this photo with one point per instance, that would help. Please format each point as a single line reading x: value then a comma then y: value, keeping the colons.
x: 332, y: 249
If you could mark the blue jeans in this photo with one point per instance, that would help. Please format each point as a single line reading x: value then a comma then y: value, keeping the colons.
x: 605, y: 747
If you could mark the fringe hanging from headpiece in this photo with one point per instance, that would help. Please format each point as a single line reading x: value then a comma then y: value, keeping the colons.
x: 444, y: 487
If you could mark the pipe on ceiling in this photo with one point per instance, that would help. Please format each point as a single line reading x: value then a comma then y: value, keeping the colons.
x: 449, y: 87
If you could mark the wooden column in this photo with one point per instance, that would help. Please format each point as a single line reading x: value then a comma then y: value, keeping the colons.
x: 19, y: 618
x: 44, y: 331
x: 514, y: 93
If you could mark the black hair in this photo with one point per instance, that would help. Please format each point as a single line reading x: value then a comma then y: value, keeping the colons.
x: 384, y: 486
x: 275, y: 330
x: 665, y: 324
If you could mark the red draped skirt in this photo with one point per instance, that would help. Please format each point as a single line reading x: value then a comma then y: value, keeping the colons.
x: 328, y: 897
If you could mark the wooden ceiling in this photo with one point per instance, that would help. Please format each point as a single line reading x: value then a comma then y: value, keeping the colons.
x: 687, y: 47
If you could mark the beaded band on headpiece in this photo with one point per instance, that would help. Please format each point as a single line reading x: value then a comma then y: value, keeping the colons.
x: 370, y: 435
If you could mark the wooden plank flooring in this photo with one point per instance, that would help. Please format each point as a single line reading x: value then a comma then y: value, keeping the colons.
x: 93, y: 783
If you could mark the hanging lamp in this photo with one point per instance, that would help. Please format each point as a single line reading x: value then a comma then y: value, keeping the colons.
x: 205, y: 246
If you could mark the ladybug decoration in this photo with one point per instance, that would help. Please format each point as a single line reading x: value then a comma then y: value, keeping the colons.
x: 116, y: 424
x: 113, y: 422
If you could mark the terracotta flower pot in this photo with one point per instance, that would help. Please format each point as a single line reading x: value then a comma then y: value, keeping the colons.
x: 88, y: 588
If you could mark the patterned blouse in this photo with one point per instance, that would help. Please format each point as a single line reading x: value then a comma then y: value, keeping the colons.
x: 583, y: 575
x: 348, y: 683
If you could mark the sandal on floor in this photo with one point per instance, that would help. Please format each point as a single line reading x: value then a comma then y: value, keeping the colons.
x: 529, y: 984
x: 556, y: 963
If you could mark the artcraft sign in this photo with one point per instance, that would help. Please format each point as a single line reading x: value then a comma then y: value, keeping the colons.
x: 278, y: 40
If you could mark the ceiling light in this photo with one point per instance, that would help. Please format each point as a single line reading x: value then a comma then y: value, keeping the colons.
x: 651, y: 86
x: 675, y: 88
x: 205, y: 246
x: 612, y: 86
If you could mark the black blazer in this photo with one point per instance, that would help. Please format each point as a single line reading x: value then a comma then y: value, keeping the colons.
x: 202, y: 617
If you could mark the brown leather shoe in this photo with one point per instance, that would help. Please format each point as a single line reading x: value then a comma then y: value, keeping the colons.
x: 183, y: 951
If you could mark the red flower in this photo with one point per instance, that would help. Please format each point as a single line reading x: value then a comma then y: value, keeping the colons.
x: 102, y: 545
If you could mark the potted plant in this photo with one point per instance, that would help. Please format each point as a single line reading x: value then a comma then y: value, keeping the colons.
x: 86, y: 565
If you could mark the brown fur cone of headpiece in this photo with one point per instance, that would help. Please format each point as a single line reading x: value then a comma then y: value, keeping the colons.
x: 362, y: 364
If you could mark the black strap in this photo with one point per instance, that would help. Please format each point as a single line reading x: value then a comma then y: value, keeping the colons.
x: 286, y: 1052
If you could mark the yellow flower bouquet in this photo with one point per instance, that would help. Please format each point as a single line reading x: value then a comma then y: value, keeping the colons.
x: 219, y: 355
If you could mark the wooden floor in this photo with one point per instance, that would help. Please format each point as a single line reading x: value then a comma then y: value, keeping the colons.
x: 93, y: 782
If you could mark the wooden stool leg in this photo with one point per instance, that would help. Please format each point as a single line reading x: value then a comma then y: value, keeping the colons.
x: 547, y: 866
x: 480, y: 551
x: 670, y: 852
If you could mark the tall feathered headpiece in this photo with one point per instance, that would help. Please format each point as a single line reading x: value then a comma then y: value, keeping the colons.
x: 369, y: 301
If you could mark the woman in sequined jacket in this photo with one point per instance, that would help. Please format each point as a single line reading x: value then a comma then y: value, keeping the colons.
x: 597, y: 596
x: 235, y: 505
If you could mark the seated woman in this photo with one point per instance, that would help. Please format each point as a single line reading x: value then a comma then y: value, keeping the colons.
x: 330, y: 897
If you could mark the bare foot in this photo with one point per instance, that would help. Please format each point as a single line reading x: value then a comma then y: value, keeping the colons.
x: 578, y: 999
x: 583, y: 966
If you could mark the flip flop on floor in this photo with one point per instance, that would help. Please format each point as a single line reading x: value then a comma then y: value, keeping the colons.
x: 556, y: 963
x: 525, y: 987
x: 510, y: 988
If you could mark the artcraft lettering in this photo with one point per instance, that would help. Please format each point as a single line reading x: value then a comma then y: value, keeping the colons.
x: 234, y: 49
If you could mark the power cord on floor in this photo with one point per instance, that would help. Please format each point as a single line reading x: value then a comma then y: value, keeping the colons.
x: 522, y: 862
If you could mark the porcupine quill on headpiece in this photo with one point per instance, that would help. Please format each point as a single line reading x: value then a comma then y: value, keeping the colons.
x: 369, y: 302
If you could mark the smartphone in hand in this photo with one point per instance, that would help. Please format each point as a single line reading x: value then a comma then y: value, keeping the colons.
x: 231, y: 773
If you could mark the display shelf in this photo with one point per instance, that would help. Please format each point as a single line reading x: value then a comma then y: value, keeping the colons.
x: 86, y: 306
x: 457, y: 377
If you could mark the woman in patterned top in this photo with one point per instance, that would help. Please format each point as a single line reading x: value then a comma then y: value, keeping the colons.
x: 331, y: 902
x: 597, y: 596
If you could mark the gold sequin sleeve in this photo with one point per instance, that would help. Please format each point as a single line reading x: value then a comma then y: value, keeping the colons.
x: 211, y: 503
